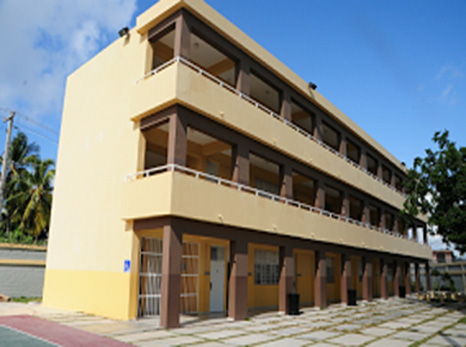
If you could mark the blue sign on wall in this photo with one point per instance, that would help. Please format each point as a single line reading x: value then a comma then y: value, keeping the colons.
x: 127, y: 265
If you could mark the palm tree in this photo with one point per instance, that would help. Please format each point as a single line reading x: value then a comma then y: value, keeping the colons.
x: 32, y: 203
x: 20, y: 150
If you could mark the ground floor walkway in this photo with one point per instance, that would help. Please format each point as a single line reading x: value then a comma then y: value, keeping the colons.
x: 392, y: 322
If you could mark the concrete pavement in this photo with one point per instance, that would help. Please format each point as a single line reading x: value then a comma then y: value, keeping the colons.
x: 393, y: 322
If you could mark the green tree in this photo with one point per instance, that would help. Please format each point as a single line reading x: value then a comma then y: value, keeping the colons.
x: 437, y: 186
x: 34, y: 201
x: 20, y: 150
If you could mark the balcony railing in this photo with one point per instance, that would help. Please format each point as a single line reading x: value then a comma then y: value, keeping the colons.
x: 258, y: 193
x: 280, y: 118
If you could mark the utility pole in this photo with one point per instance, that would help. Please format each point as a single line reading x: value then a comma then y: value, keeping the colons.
x: 5, y: 158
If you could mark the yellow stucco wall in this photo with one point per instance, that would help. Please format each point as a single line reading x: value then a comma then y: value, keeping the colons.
x: 228, y: 206
x: 88, y: 241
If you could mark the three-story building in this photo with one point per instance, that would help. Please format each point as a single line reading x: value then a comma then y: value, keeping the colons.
x: 197, y: 173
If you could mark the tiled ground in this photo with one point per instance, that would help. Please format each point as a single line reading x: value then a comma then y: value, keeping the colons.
x: 393, y: 322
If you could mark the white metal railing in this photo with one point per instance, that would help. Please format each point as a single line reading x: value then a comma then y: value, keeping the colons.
x: 256, y: 192
x: 179, y: 59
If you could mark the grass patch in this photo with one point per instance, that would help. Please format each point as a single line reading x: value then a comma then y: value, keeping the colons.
x: 26, y: 300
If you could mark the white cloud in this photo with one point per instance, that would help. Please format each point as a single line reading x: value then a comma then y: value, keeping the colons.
x: 43, y: 41
x: 446, y: 91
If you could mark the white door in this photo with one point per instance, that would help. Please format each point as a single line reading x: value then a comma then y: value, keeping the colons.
x: 217, y: 278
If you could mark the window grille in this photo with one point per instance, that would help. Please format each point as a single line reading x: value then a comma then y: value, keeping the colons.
x: 266, y: 267
x: 150, y: 277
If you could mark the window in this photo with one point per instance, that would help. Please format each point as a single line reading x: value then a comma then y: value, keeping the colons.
x: 389, y: 221
x: 264, y: 174
x: 353, y: 152
x: 374, y: 214
x: 372, y: 164
x: 386, y: 174
x: 332, y: 200
x: 330, y: 137
x: 303, y: 189
x: 162, y: 48
x: 398, y: 182
x: 330, y: 269
x: 390, y: 272
x: 266, y: 267
x: 301, y: 117
x: 264, y: 93
x: 355, y: 210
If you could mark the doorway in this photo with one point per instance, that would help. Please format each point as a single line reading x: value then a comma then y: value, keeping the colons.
x: 217, y: 278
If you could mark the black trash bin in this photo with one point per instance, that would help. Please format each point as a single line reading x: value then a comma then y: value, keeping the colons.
x: 293, y: 304
x: 402, y: 292
x: 351, y: 297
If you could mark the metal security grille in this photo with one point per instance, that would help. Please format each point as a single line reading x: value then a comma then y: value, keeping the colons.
x: 190, y: 277
x: 150, y: 277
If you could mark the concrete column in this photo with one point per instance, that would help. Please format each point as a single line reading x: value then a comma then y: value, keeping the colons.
x: 285, y: 285
x: 417, y: 277
x: 171, y: 278
x: 240, y: 159
x: 320, y: 194
x: 177, y: 141
x: 286, y: 182
x: 343, y: 144
x: 182, y: 37
x: 243, y: 79
x: 427, y: 268
x: 408, y: 278
x: 367, y: 279
x: 345, y: 277
x: 318, y: 126
x: 396, y: 278
x: 383, y: 279
x: 238, y: 283
x: 320, y: 280
x: 285, y: 109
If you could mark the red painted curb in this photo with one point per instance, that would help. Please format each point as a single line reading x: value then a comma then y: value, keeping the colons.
x: 56, y: 333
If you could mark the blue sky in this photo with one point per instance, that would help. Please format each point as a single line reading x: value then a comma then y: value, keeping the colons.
x: 397, y: 68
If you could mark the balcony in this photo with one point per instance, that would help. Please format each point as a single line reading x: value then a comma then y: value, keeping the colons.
x: 179, y: 80
x: 183, y: 192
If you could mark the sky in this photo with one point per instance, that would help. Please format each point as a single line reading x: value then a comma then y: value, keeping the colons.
x: 397, y: 68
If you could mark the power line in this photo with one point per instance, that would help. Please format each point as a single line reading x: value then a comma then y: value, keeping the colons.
x: 32, y: 121
x: 55, y: 142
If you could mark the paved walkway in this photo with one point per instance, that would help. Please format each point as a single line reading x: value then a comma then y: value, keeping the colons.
x: 393, y: 322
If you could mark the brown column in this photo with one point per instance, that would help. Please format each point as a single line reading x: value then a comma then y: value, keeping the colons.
x: 343, y: 144
x: 286, y: 182
x: 427, y: 269
x: 414, y: 228
x: 285, y: 110
x: 379, y: 169
x: 408, y: 278
x: 318, y: 126
x: 382, y: 219
x: 396, y: 278
x: 366, y: 216
x: 345, y: 206
x: 367, y: 279
x: 320, y: 280
x: 171, y: 278
x: 320, y: 194
x: 345, y: 277
x: 285, y: 285
x: 238, y: 283
x: 417, y: 277
x: 182, y: 37
x: 383, y: 279
x: 240, y: 159
x: 243, y: 80
x: 363, y: 158
x: 177, y: 141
